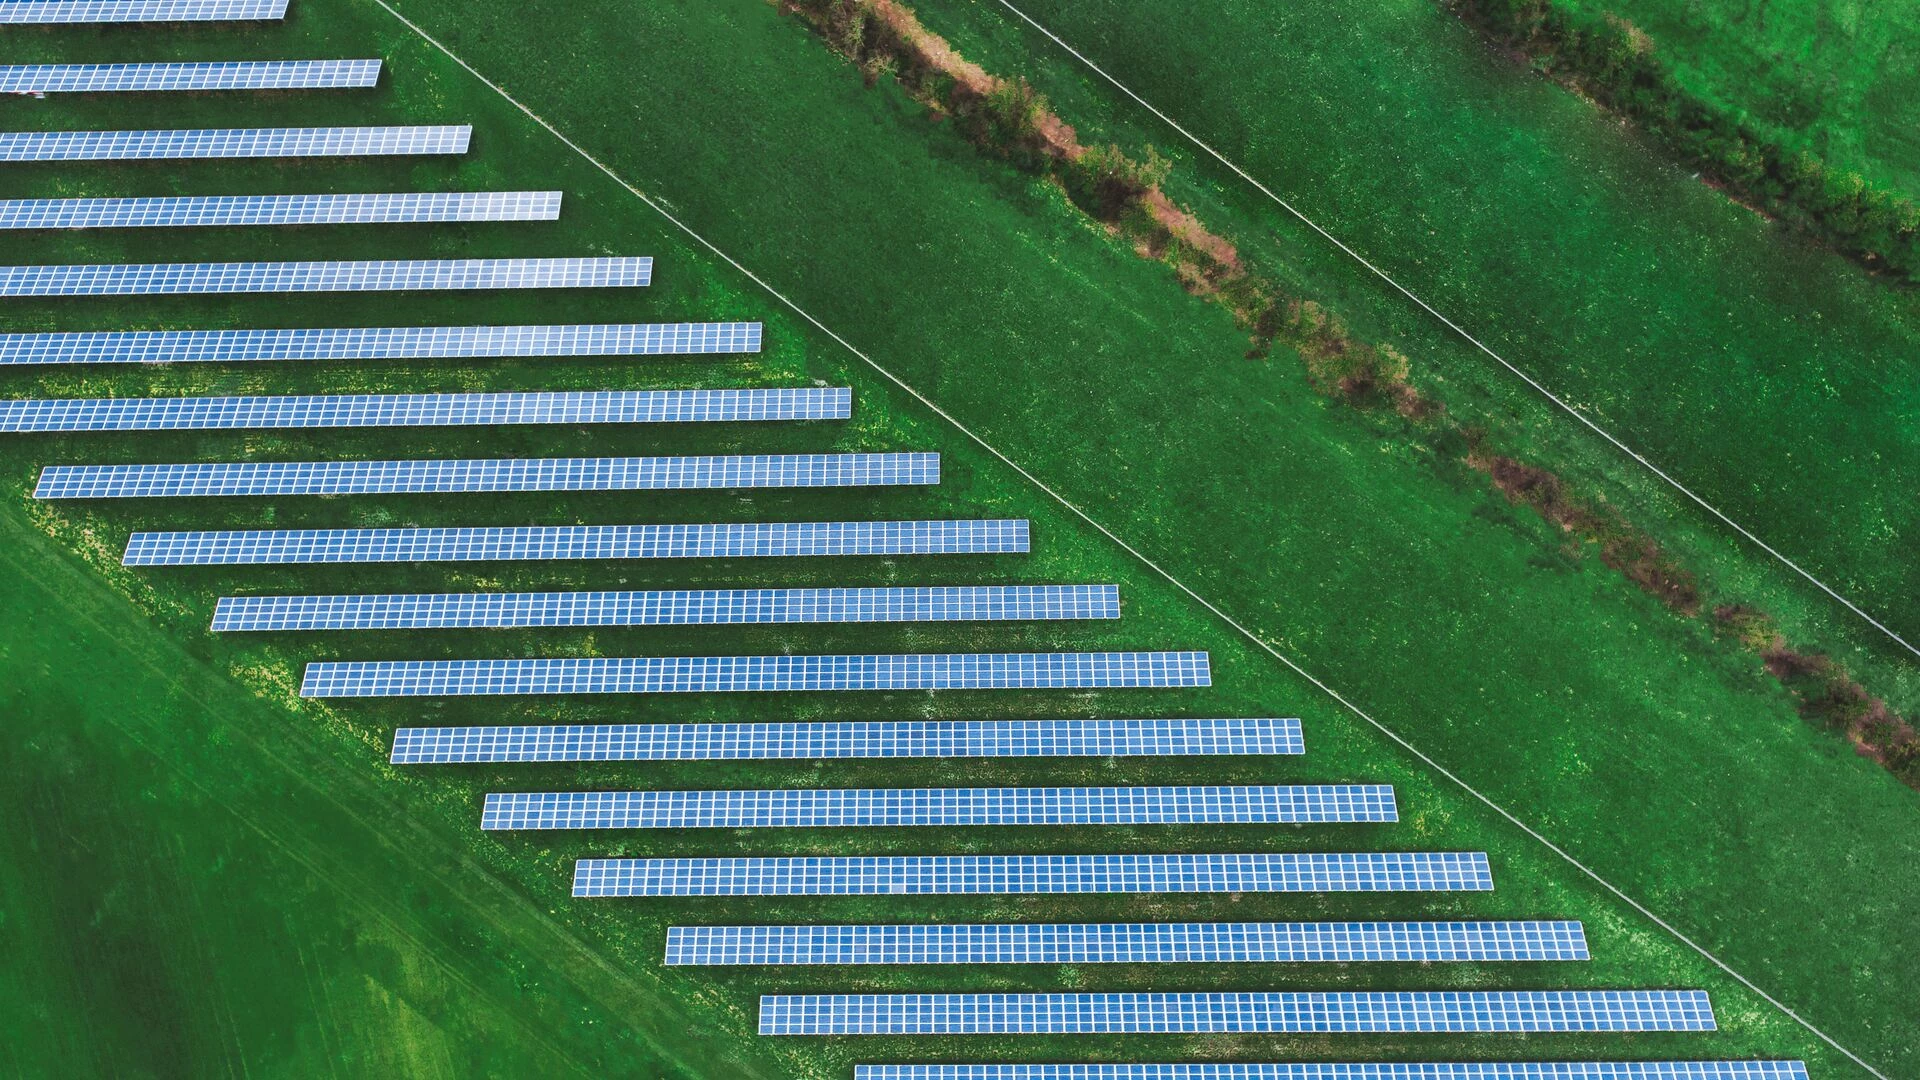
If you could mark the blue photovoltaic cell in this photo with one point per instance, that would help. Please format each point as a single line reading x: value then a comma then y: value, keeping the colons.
x: 1369, y: 1070
x: 1128, y: 943
x: 128, y: 11
x: 425, y: 410
x: 736, y: 674
x: 928, y: 875
x: 506, y: 474
x: 174, y: 279
x: 379, y: 343
x: 957, y: 603
x: 1411, y: 1011
x: 200, y: 211
x: 836, y: 808
x: 781, y: 540
x: 217, y: 75
x: 848, y: 739
x: 170, y: 145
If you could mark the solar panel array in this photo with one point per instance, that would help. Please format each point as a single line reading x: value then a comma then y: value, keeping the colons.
x: 125, y: 11
x: 771, y: 540
x: 395, y: 275
x: 176, y: 144
x: 928, y: 875
x: 217, y: 75
x: 1358, y: 1070
x: 807, y: 807
x: 1128, y: 943
x: 1415, y: 1011
x: 836, y: 808
x: 516, y: 474
x: 848, y: 739
x: 736, y: 674
x: 379, y: 343
x: 197, y: 211
x: 424, y: 410
x: 699, y: 607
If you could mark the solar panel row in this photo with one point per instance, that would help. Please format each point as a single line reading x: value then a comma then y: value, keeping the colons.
x: 771, y: 540
x: 205, y: 211
x: 928, y: 875
x: 203, y: 479
x: 123, y: 11
x: 176, y: 144
x: 1474, y: 1070
x: 425, y: 410
x: 1367, y: 1070
x: 217, y: 75
x: 379, y: 343
x: 177, y: 279
x: 839, y: 808
x: 960, y: 603
x: 848, y: 739
x: 1297, y: 1011
x: 1129, y: 943
x: 736, y: 674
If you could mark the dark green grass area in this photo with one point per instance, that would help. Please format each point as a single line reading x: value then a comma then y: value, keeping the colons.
x: 166, y: 802
x: 1841, y: 79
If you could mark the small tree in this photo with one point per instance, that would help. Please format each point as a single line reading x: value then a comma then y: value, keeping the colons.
x: 1014, y: 108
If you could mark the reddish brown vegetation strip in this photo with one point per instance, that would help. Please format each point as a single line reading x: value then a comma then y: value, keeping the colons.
x: 1622, y: 547
x: 1827, y: 695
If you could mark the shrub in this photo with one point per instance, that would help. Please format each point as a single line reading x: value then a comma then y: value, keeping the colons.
x: 1014, y: 108
x: 1103, y: 180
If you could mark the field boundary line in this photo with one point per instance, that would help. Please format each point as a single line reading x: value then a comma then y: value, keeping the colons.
x: 1562, y: 403
x: 1073, y: 508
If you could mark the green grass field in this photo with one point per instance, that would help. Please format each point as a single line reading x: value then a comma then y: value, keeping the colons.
x: 1839, y: 78
x: 192, y: 838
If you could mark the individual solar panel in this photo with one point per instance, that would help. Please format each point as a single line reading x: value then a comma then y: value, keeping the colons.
x: 737, y: 674
x: 379, y: 343
x: 929, y: 875
x: 399, y: 275
x: 205, y: 479
x: 425, y: 410
x: 134, y: 11
x: 840, y: 808
x: 1412, y: 1011
x: 1367, y: 1070
x: 218, y: 75
x: 848, y: 739
x: 173, y: 145
x: 1128, y: 943
x: 781, y: 540
x: 206, y: 211
x: 700, y: 607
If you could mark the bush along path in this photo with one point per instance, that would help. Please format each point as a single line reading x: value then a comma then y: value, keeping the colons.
x: 1009, y: 119
x: 1608, y: 60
